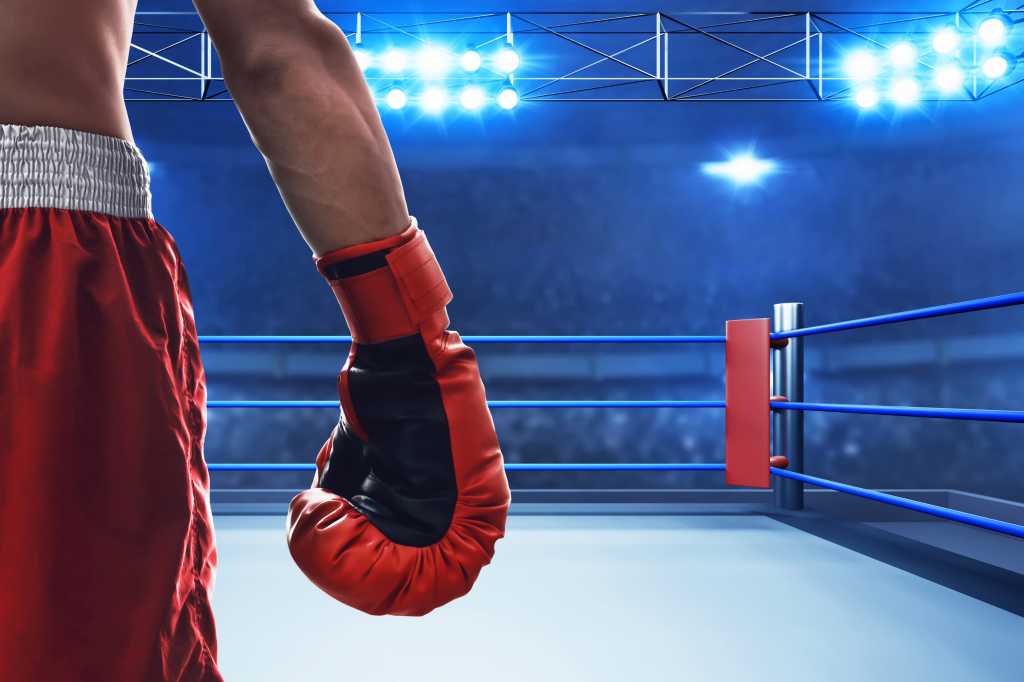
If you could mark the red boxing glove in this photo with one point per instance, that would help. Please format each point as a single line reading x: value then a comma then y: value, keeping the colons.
x: 410, y: 494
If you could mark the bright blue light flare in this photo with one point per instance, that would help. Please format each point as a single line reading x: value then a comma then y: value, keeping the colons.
x: 946, y: 40
x: 867, y: 98
x: 472, y: 98
x: 862, y: 66
x: 394, y: 60
x: 992, y: 32
x: 949, y: 78
x: 433, y: 61
x: 434, y: 100
x: 996, y: 66
x: 905, y: 92
x: 363, y: 58
x: 743, y: 169
x: 508, y: 98
x: 506, y: 60
x: 903, y: 55
x: 396, y: 98
x: 471, y: 61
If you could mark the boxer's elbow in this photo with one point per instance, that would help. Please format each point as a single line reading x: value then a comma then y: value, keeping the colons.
x: 308, y: 55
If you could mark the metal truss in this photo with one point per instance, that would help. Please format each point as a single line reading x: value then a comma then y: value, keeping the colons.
x: 658, y: 56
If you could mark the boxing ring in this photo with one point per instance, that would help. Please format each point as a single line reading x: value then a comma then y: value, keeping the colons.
x: 698, y: 591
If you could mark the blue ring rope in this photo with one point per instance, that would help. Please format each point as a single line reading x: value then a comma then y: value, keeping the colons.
x: 512, y: 466
x: 1012, y: 416
x: 972, y: 305
x: 269, y: 404
x: 549, y: 404
x: 476, y: 339
x: 493, y: 404
x: 923, y: 507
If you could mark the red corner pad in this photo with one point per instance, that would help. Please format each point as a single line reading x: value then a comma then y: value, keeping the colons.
x: 747, y: 410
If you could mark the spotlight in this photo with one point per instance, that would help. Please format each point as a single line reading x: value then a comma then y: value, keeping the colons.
x: 996, y: 66
x: 867, y: 98
x: 434, y: 100
x: 363, y: 58
x: 949, y: 78
x: 471, y: 61
x: 744, y: 169
x: 433, y: 61
x: 396, y: 98
x: 472, y: 97
x: 862, y: 66
x: 508, y: 98
x: 394, y: 60
x: 507, y: 60
x: 992, y: 31
x: 905, y: 91
x: 903, y: 55
x: 946, y: 40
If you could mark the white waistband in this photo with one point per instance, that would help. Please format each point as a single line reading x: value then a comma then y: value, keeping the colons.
x: 57, y: 168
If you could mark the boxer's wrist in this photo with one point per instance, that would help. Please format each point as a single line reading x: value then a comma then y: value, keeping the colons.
x: 388, y: 288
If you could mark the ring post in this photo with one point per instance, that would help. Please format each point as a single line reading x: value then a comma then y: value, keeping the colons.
x: 788, y: 381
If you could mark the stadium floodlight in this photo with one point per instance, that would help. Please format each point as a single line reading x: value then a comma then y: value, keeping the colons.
x: 905, y: 92
x: 946, y: 40
x: 434, y: 100
x: 364, y: 58
x: 471, y: 61
x: 992, y: 32
x: 903, y: 55
x: 472, y: 98
x: 742, y: 169
x: 508, y: 98
x: 862, y: 65
x: 507, y: 59
x: 394, y: 60
x: 949, y: 78
x: 433, y: 61
x: 867, y: 98
x: 997, y: 65
x: 396, y: 98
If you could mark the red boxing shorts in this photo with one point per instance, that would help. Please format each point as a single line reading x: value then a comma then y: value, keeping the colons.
x: 106, y: 540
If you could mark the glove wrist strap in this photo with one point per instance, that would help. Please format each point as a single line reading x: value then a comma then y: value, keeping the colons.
x: 388, y: 288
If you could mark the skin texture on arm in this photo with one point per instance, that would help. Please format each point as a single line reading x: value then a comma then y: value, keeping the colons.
x: 63, y: 64
x: 302, y: 95
x: 411, y: 494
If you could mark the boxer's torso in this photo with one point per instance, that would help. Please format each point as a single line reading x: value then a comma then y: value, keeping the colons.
x: 62, y: 64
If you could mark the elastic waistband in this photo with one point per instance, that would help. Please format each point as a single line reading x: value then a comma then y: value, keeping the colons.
x: 44, y: 167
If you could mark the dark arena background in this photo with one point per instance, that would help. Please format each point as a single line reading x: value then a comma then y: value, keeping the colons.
x: 610, y: 200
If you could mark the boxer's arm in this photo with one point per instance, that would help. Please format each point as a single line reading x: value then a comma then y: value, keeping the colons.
x: 410, y: 495
x: 297, y: 84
